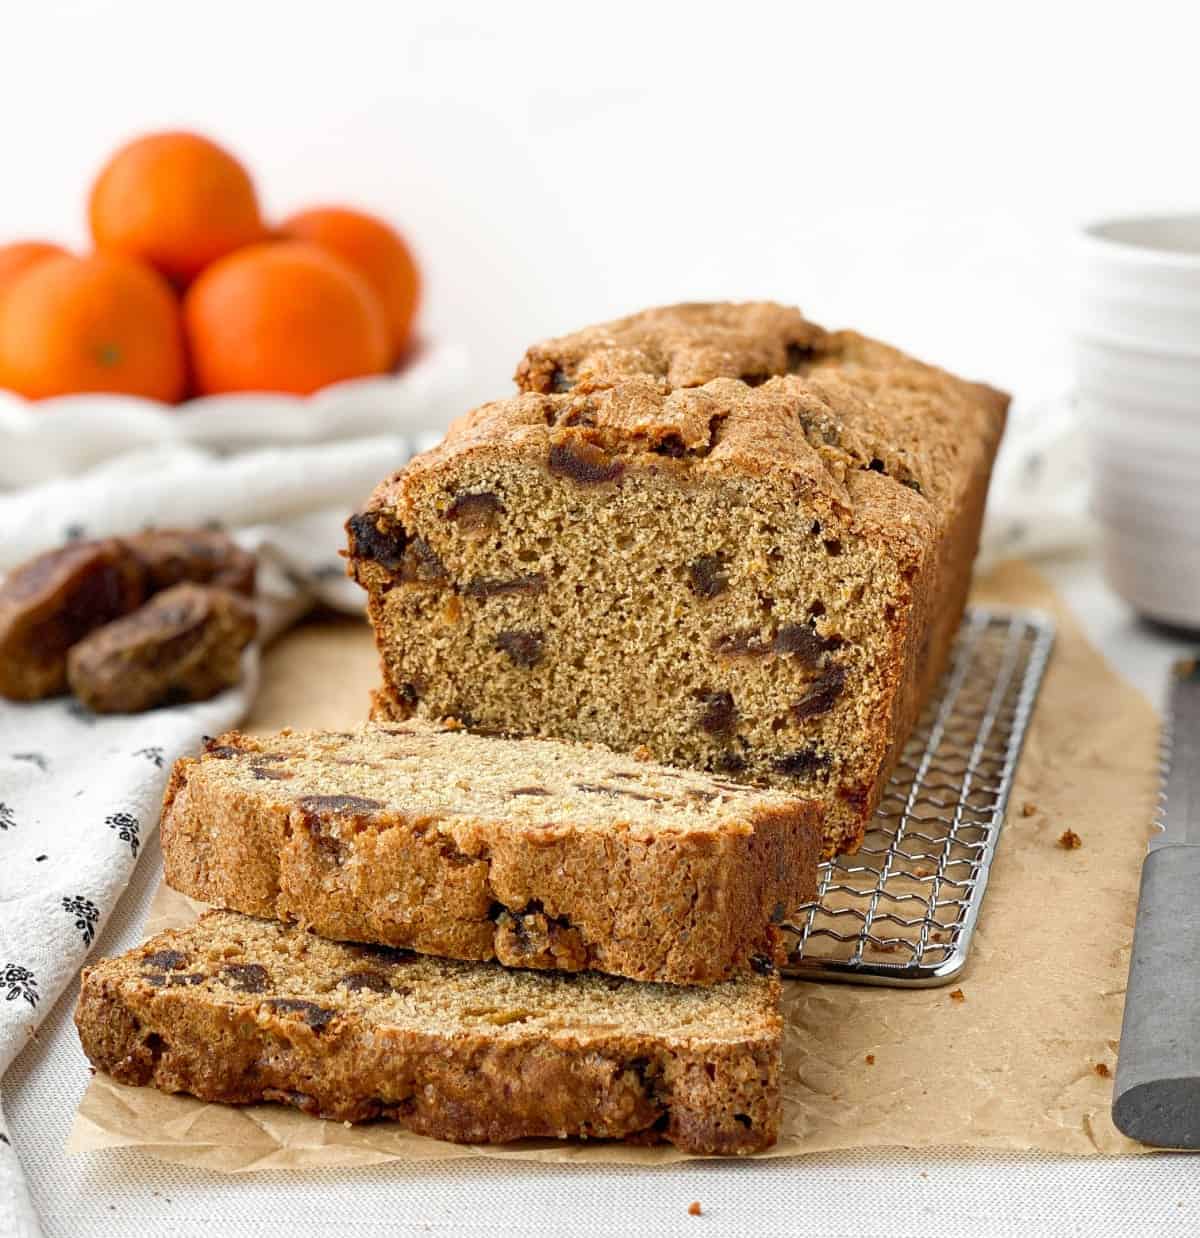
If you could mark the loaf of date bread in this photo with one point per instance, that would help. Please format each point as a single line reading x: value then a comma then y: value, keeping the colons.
x: 533, y: 852
x: 239, y: 1011
x: 716, y: 531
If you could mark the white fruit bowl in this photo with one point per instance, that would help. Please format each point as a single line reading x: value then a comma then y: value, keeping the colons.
x: 62, y: 437
x: 282, y: 472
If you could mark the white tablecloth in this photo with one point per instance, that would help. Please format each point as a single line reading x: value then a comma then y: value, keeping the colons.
x: 892, y: 1192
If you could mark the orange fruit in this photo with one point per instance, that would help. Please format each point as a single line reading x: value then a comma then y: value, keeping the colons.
x: 283, y: 316
x: 375, y: 249
x: 17, y: 258
x: 102, y: 323
x: 175, y: 200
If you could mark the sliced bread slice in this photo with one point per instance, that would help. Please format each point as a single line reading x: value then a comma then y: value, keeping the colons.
x: 534, y: 852
x: 238, y: 1010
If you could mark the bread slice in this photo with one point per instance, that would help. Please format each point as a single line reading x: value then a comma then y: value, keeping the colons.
x: 239, y: 1010
x: 537, y: 853
x: 716, y: 531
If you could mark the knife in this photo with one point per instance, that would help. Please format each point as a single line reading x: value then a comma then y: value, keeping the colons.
x: 1156, y: 1096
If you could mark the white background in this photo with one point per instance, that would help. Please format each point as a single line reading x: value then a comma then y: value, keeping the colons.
x: 915, y: 170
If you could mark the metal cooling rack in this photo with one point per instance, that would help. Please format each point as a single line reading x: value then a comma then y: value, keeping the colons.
x: 902, y: 910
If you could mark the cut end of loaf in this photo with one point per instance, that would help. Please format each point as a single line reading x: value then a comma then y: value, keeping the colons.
x: 700, y: 624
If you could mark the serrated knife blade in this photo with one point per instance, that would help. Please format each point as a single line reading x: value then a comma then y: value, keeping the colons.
x: 1156, y: 1095
x: 1179, y: 815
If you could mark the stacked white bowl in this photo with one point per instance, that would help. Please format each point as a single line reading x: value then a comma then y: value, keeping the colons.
x: 1138, y: 366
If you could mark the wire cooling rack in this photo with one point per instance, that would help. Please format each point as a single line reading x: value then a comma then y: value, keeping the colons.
x: 902, y: 910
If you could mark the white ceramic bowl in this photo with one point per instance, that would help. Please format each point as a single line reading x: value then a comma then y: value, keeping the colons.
x: 1141, y: 284
x: 41, y: 440
x: 281, y: 471
x: 1158, y: 573
x: 1138, y: 367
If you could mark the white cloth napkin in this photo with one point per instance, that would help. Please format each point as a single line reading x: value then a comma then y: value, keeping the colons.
x: 78, y: 797
x: 79, y: 794
x: 1038, y: 504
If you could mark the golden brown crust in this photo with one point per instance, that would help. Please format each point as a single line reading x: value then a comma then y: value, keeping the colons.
x: 541, y: 883
x: 677, y: 345
x: 821, y: 406
x: 869, y: 444
x: 236, y: 1011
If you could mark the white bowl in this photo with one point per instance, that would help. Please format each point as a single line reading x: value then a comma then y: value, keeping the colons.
x: 1159, y: 575
x: 1138, y: 366
x: 1141, y: 283
x: 1173, y: 516
x: 1153, y: 459
x: 41, y: 440
x: 1155, y: 386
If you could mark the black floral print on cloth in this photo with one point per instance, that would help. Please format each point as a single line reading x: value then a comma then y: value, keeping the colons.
x: 20, y: 982
x: 7, y: 817
x: 86, y: 915
x: 153, y: 755
x: 34, y: 758
x: 128, y: 830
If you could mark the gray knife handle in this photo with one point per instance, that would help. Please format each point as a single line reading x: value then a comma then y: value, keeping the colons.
x: 1156, y: 1096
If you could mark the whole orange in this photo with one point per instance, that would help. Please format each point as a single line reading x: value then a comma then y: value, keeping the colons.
x: 375, y: 249
x: 102, y: 323
x: 17, y: 258
x: 175, y: 200
x: 283, y: 316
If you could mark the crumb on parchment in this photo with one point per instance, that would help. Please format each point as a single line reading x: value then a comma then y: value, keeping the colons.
x: 957, y: 995
x: 1068, y: 840
x: 1028, y: 809
x: 870, y: 1059
x: 1101, y: 1068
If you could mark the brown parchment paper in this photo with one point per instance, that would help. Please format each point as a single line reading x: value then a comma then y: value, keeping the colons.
x: 1021, y: 1060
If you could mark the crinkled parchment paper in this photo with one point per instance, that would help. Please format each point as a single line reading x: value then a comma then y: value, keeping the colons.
x: 1020, y: 1059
